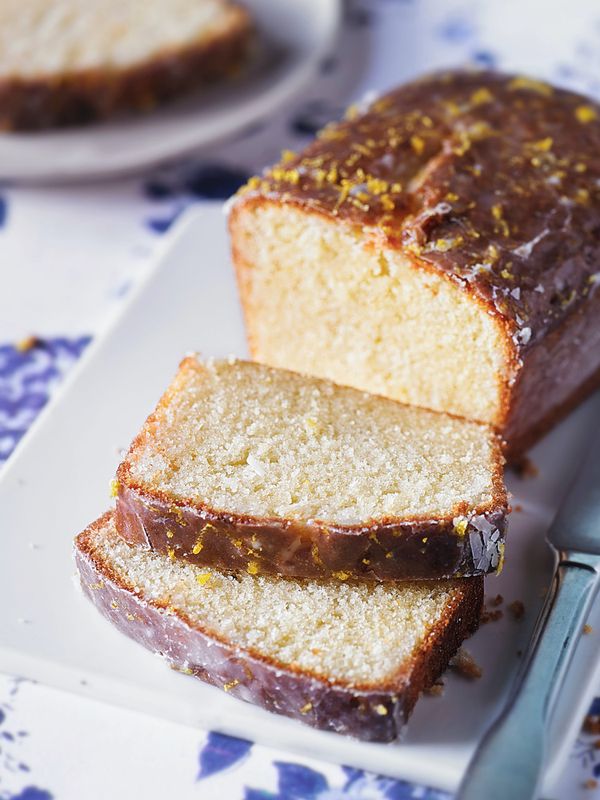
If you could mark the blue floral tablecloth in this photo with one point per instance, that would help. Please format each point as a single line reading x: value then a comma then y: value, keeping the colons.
x: 69, y: 255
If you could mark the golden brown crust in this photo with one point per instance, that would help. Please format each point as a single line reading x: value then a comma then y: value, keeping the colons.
x: 559, y: 373
x: 373, y: 713
x: 90, y: 95
x: 382, y: 550
x: 491, y: 180
x: 469, y: 541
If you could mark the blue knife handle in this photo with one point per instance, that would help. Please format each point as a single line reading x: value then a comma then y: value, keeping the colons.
x: 508, y: 762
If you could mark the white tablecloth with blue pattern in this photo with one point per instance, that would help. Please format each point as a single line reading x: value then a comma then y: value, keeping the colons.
x: 69, y: 255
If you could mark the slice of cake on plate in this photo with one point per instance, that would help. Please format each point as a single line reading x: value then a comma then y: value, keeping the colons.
x: 253, y: 469
x: 347, y: 657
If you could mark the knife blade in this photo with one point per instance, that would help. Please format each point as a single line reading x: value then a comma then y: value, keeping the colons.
x: 509, y: 760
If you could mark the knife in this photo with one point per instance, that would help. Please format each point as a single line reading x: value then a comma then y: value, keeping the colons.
x: 508, y: 762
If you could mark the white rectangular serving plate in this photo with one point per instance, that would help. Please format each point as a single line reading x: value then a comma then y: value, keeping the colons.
x: 58, y: 481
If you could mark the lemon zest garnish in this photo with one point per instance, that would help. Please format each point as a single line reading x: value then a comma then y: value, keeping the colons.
x: 341, y: 576
x: 500, y: 566
x: 417, y: 144
x: 481, y: 96
x: 316, y: 557
x: 253, y: 183
x: 585, y: 114
x: 460, y: 525
x: 377, y: 185
x: 522, y: 82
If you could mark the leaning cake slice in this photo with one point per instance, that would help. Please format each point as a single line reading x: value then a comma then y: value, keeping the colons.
x: 248, y: 468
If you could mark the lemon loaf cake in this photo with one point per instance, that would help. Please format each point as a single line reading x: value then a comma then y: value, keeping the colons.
x: 248, y: 468
x: 349, y: 657
x: 70, y: 61
x: 440, y: 246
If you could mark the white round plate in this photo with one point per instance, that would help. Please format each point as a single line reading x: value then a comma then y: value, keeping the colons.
x: 294, y: 35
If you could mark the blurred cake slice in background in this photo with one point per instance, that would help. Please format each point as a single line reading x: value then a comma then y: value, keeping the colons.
x: 70, y: 62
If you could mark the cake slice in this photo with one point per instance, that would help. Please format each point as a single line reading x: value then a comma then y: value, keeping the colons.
x: 439, y: 246
x: 248, y: 468
x: 66, y: 62
x: 347, y: 657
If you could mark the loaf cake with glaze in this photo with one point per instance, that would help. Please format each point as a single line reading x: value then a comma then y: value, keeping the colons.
x: 351, y: 657
x: 440, y: 246
x: 69, y: 62
x: 253, y: 469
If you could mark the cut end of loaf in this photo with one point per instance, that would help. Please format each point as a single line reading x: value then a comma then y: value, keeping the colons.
x: 327, y: 298
x: 361, y: 635
x: 240, y: 438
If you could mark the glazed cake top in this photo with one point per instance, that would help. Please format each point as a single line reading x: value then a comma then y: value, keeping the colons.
x: 493, y: 179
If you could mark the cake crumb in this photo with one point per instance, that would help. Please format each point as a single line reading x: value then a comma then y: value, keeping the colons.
x: 591, y: 783
x: 464, y: 663
x: 518, y: 508
x: 26, y: 344
x: 496, y: 601
x: 517, y: 609
x: 587, y: 628
x: 491, y: 616
x: 436, y: 690
x: 525, y: 468
x: 591, y: 724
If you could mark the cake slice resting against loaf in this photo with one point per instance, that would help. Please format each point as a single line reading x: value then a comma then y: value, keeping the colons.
x: 72, y: 61
x: 440, y: 246
x: 249, y: 468
x: 349, y: 657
